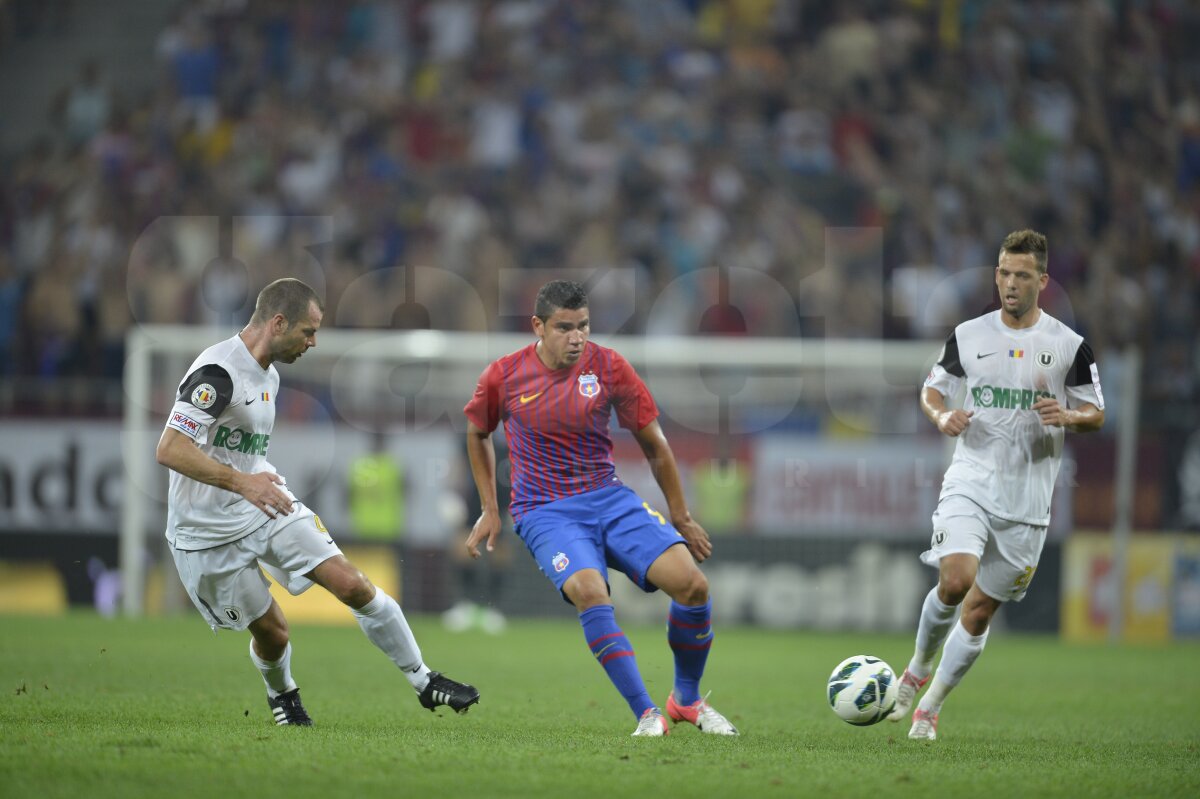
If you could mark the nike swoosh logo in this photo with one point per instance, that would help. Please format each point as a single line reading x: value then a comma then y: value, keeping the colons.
x: 983, y: 355
x: 531, y: 397
x: 702, y: 636
x: 251, y: 401
x: 606, y: 648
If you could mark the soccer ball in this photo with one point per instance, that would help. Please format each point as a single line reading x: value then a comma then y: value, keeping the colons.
x: 862, y: 690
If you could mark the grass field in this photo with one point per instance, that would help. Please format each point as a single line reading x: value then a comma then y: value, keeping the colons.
x: 99, y: 708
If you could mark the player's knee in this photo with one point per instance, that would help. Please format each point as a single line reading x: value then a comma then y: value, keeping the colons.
x: 588, y: 596
x: 353, y: 588
x: 586, y: 589
x: 271, y: 640
x: 952, y: 588
x: 977, y: 616
x: 360, y: 593
x: 975, y: 619
x: 694, y: 591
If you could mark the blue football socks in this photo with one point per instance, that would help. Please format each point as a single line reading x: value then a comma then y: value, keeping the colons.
x: 689, y: 632
x: 614, y: 652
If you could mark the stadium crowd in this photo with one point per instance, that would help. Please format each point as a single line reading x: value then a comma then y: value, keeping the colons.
x: 850, y: 166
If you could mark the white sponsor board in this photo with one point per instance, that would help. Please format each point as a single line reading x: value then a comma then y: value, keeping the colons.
x: 884, y: 488
x: 870, y: 589
x: 68, y: 476
x: 805, y: 485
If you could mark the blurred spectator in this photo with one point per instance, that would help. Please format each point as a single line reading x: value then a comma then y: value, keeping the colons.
x: 1189, y: 485
x: 720, y: 487
x: 376, y: 490
x: 11, y: 290
x: 83, y: 109
x: 196, y: 67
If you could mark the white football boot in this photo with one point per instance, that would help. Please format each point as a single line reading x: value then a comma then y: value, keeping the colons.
x: 924, y: 726
x: 910, y: 686
x: 652, y: 723
x: 702, y: 714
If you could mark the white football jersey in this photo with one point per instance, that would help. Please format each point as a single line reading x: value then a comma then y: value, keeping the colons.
x: 226, y: 404
x: 1006, y: 461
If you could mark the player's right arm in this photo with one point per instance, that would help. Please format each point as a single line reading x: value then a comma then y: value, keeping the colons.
x: 482, y: 455
x: 179, y: 453
x: 483, y: 414
x: 945, y: 378
x: 949, y: 422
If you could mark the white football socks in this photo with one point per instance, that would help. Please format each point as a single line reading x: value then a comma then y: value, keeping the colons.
x: 276, y: 674
x: 960, y: 653
x: 384, y: 624
x: 936, y: 620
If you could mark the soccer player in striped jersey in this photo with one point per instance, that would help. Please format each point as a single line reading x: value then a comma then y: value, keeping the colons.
x: 1029, y: 378
x: 572, y: 511
x: 229, y: 512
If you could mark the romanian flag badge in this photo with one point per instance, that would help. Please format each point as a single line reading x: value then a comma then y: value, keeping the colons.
x: 1016, y: 353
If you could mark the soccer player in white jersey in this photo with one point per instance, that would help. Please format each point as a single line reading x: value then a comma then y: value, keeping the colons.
x: 1029, y: 379
x: 229, y: 511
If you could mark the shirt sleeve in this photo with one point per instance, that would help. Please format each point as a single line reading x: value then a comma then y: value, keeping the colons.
x: 203, y: 396
x: 947, y: 374
x: 631, y: 399
x: 1083, y: 379
x: 485, y: 405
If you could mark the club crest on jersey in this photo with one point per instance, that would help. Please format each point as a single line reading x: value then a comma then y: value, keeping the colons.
x: 589, y: 385
x: 560, y: 562
x: 1045, y: 359
x: 204, y: 396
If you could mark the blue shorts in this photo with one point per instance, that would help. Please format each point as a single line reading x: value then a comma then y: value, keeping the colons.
x: 610, y: 526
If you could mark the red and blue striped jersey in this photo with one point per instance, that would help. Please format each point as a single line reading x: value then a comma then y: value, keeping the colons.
x: 556, y: 420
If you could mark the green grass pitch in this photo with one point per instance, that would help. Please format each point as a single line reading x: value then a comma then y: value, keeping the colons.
x: 164, y: 708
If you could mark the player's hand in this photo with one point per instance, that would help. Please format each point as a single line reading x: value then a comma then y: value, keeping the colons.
x: 261, y: 490
x: 952, y: 423
x: 1051, y: 413
x: 696, y: 537
x: 487, y: 526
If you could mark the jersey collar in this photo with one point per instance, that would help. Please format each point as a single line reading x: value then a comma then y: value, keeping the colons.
x: 1020, y: 332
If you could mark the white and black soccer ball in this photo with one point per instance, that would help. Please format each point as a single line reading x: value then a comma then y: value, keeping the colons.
x: 862, y: 690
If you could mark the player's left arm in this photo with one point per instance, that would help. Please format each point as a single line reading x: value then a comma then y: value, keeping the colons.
x: 658, y: 454
x: 1087, y: 418
x: 1082, y: 386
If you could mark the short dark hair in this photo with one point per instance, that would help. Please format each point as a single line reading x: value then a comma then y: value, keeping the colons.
x: 288, y: 296
x: 1026, y: 242
x: 559, y: 294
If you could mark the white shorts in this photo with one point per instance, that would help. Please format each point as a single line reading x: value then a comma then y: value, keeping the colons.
x: 1008, y: 552
x: 225, y: 582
